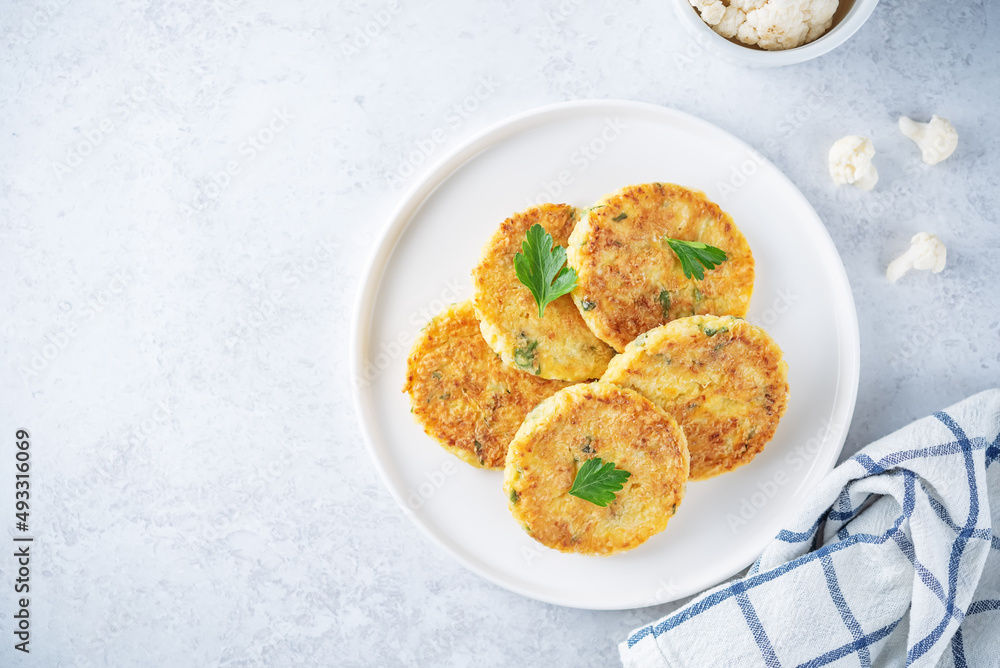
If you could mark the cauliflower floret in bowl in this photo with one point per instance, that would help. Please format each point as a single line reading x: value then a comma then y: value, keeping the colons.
x: 773, y: 32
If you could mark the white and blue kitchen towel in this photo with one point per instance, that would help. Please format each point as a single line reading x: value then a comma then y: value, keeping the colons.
x: 892, y: 562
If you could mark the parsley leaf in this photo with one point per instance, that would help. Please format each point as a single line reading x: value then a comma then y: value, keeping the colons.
x: 597, y: 483
x: 540, y: 268
x: 693, y: 253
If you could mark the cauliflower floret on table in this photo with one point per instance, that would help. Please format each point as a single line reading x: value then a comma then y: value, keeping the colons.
x: 770, y: 24
x: 937, y: 139
x: 851, y: 162
x: 925, y: 252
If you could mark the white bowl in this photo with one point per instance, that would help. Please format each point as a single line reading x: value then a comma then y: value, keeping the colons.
x: 740, y: 54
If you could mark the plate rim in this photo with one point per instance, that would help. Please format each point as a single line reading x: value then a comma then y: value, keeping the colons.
x: 437, y: 173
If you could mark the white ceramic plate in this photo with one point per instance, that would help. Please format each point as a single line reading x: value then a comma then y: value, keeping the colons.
x: 575, y: 153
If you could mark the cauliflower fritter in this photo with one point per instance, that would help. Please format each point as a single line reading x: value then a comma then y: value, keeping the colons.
x: 723, y: 379
x: 576, y: 424
x: 463, y: 395
x: 558, y: 345
x: 630, y: 280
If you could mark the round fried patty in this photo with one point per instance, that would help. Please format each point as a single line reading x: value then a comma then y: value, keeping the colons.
x: 579, y: 423
x: 463, y: 395
x: 723, y: 379
x: 630, y: 280
x: 559, y: 344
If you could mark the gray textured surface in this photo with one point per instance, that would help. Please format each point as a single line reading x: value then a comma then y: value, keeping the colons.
x: 202, y: 496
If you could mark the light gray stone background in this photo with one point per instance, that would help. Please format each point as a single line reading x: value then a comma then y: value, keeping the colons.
x: 188, y: 194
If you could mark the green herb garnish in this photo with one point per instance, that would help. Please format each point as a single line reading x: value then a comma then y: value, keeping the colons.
x: 694, y: 255
x: 620, y: 216
x: 598, y: 483
x: 665, y: 303
x: 540, y: 267
x: 526, y: 357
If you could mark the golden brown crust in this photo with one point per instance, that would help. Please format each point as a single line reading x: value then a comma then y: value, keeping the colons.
x: 576, y: 424
x: 630, y: 280
x: 722, y: 378
x: 463, y: 395
x: 558, y: 345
